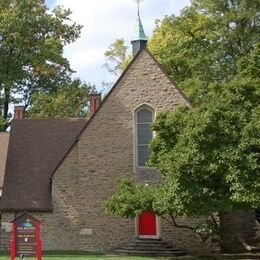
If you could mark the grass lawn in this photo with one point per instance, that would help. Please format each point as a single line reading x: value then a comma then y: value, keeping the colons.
x: 90, y: 257
x: 87, y: 257
x: 71, y: 256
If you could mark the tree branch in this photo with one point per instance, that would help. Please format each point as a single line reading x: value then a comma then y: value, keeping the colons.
x: 174, y: 223
x: 180, y: 226
x: 166, y: 219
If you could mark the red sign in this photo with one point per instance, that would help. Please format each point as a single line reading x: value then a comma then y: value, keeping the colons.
x: 26, y: 237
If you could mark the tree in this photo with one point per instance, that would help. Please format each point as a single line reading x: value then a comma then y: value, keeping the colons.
x: 31, y: 50
x: 209, y: 158
x: 3, y: 124
x: 206, y: 42
x: 69, y: 100
x: 208, y: 155
x: 117, y: 57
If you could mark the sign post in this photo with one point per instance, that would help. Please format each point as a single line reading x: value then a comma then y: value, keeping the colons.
x: 26, y: 237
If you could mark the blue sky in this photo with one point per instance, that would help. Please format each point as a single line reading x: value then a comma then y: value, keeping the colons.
x: 50, y: 3
x: 104, y: 21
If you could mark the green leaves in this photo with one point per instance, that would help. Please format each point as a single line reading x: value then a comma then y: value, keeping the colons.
x: 210, y: 155
x: 130, y: 199
x: 3, y: 124
x: 209, y: 42
x: 69, y: 101
x: 31, y: 51
x: 117, y: 57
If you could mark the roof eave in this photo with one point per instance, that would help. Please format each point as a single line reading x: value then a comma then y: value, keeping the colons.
x: 42, y: 210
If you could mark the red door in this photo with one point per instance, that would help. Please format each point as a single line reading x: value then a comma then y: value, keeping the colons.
x: 147, y: 224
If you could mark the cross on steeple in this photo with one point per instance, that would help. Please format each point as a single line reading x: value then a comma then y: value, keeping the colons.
x: 139, y: 38
x: 138, y: 6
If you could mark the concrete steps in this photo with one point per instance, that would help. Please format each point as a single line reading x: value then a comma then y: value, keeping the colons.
x: 148, y: 247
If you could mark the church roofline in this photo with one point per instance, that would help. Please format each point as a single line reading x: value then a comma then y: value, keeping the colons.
x: 109, y: 94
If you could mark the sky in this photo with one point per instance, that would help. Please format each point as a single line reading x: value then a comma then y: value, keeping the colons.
x: 105, y: 21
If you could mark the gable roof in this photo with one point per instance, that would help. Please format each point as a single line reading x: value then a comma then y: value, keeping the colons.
x: 112, y: 90
x: 35, y: 148
x: 122, y: 77
x: 4, y: 139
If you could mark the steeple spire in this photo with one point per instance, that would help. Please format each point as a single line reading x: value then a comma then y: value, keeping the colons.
x: 138, y: 6
x: 139, y: 39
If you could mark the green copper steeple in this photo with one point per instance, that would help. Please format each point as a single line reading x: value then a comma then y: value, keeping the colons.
x: 139, y: 39
x: 139, y: 30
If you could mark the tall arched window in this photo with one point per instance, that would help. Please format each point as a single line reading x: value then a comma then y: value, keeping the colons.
x: 144, y: 134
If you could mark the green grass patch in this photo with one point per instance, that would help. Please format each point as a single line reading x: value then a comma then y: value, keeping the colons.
x: 78, y: 255
x: 86, y: 257
x: 69, y: 252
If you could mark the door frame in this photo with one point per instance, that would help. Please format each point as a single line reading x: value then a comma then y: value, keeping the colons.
x: 158, y: 229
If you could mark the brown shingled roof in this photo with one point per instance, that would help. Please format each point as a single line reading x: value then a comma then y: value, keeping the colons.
x: 4, y: 138
x: 35, y: 148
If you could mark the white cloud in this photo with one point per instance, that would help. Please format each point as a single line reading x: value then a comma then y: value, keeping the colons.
x: 104, y: 21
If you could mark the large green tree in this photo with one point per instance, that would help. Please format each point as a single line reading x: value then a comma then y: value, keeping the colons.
x: 208, y: 155
x: 206, y: 42
x: 31, y: 50
x: 69, y: 100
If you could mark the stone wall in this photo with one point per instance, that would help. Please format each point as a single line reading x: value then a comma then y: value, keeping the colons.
x: 59, y: 233
x: 6, y: 230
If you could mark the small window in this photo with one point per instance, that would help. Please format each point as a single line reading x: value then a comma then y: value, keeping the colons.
x: 144, y: 119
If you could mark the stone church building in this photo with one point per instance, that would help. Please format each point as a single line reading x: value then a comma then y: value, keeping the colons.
x: 62, y: 171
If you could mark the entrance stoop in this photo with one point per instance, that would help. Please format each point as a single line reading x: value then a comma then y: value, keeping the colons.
x: 148, y: 247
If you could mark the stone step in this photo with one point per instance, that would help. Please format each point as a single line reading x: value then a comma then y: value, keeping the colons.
x: 148, y: 243
x: 135, y: 246
x: 151, y: 253
x: 148, y: 247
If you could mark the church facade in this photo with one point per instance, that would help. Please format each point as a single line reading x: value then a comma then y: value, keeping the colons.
x: 67, y: 194
x: 63, y: 171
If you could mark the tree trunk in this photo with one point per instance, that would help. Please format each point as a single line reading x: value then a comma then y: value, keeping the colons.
x: 237, y: 231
